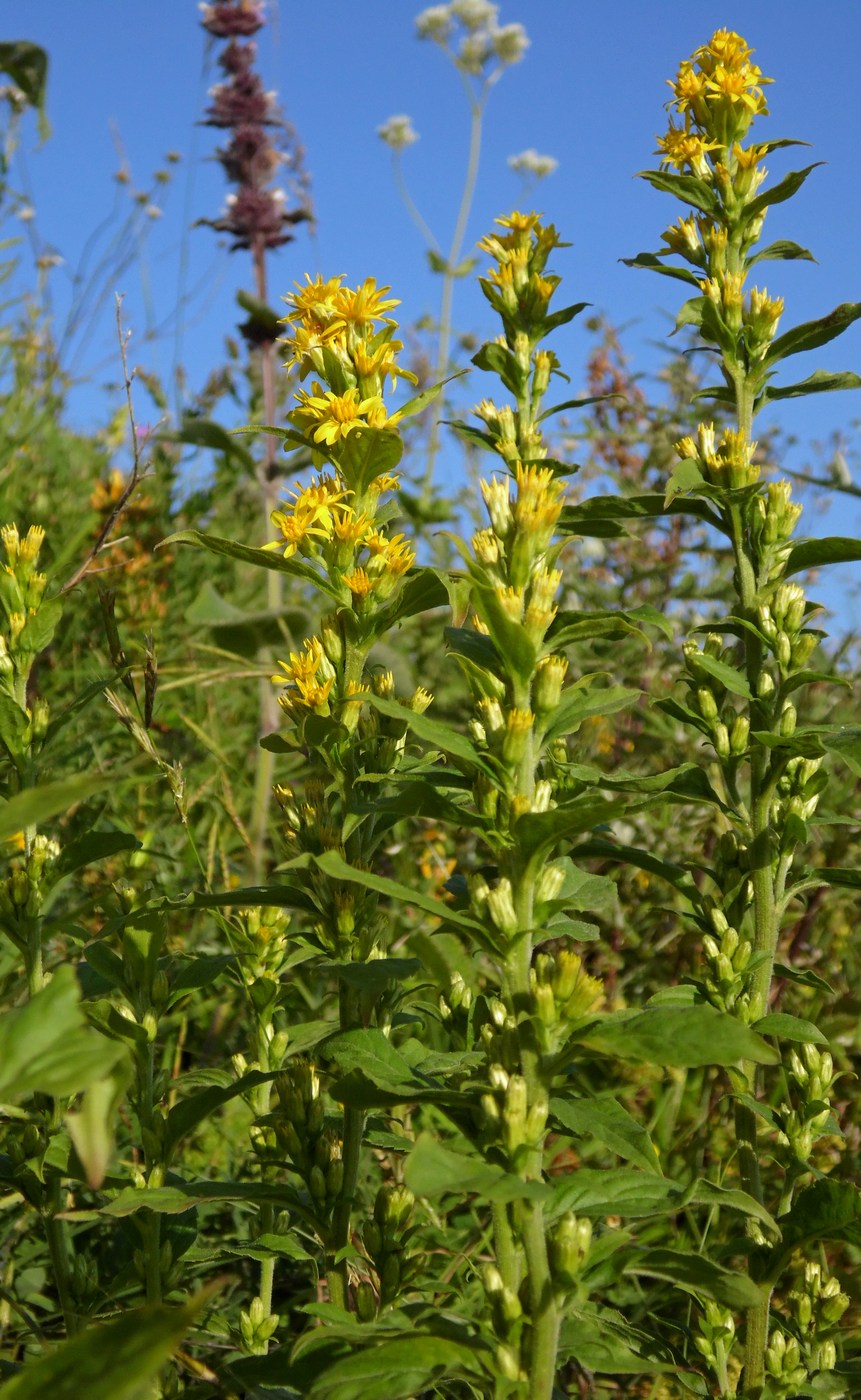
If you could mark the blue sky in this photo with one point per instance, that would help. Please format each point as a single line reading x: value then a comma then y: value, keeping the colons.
x: 590, y: 92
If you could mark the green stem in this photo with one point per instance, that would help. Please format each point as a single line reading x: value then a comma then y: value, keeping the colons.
x: 351, y: 1153
x: 447, y: 299
x: 55, y: 1233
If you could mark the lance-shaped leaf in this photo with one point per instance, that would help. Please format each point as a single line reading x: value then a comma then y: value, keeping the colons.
x: 776, y: 194
x: 579, y: 703
x: 434, y: 1170
x: 812, y: 554
x: 119, y: 1361
x: 606, y: 1120
x: 782, y: 248
x: 562, y: 317
x: 333, y: 864
x: 686, y: 1036
x: 699, y: 1276
x: 688, y: 188
x: 46, y: 1045
x: 602, y: 517
x: 811, y: 334
x: 261, y: 558
x: 822, y: 381
x: 576, y: 403
x: 34, y: 806
x: 512, y: 640
x: 655, y: 263
x: 434, y: 732
x: 826, y: 1210
x: 201, y: 432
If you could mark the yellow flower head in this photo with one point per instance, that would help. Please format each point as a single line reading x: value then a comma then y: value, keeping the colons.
x: 350, y: 528
x: 310, y: 675
x: 684, y: 147
x: 726, y: 47
x: 365, y: 304
x: 359, y: 584
x: 313, y: 305
x: 312, y: 513
x: 381, y: 362
x: 331, y: 417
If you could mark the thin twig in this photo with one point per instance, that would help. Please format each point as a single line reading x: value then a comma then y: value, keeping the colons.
x: 136, y: 476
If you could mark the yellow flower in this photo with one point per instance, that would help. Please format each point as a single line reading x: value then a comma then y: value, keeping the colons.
x: 738, y: 86
x: 337, y: 415
x: 366, y: 303
x: 350, y: 528
x: 359, y: 583
x: 388, y: 481
x: 303, y: 665
x: 689, y: 88
x: 726, y: 47
x: 381, y: 361
x: 310, y: 674
x: 312, y: 512
x: 313, y: 304
x: 681, y: 147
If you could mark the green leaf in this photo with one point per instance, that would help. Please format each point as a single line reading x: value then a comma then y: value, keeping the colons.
x: 699, y: 1276
x: 781, y: 248
x: 476, y: 648
x: 434, y: 1170
x: 27, y: 66
x: 776, y: 194
x: 397, y: 1369
x: 421, y: 401
x: 35, y: 806
x: 434, y: 732
x: 96, y: 845
x: 498, y: 359
x: 619, y: 1191
x: 175, y: 1200
x: 687, y: 1036
x: 201, y: 432
x: 511, y: 638
x: 655, y: 263
x: 603, y: 516
x: 601, y: 1340
x: 605, y: 1119
x: 785, y: 1027
x: 576, y: 403
x: 334, y: 865
x: 733, y: 680
x: 119, y: 1361
x: 422, y: 591
x: 688, y: 188
x: 684, y: 477
x: 185, y: 1116
x: 822, y: 381
x: 261, y: 558
x: 825, y: 1211
x: 373, y: 1055
x: 812, y: 554
x: 41, y: 626
x: 47, y: 1047
x: 561, y: 318
x: 538, y: 832
x: 811, y: 334
x: 579, y: 703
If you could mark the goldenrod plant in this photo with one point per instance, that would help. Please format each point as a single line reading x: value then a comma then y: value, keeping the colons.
x: 521, y: 1067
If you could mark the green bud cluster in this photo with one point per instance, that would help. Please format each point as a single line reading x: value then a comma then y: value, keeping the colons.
x: 313, y: 1149
x: 260, y: 939
x: 727, y: 956
x: 508, y: 1321
x: 811, y: 1073
x: 816, y: 1305
x: 23, y: 891
x: 561, y: 990
x: 256, y: 1327
x: 569, y: 1246
x: 728, y: 730
x: 386, y: 1237
x: 716, y: 1336
x: 783, y: 1364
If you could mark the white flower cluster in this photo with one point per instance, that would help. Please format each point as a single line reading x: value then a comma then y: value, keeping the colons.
x: 482, y: 40
x: 529, y: 162
x: 398, y: 132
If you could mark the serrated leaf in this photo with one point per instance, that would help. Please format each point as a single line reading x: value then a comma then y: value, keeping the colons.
x: 606, y: 1120
x: 434, y: 1170
x: 782, y: 248
x: 688, y: 188
x: 119, y: 1361
x: 700, y: 1276
x: 812, y: 554
x: 776, y: 194
x: 785, y: 1027
x: 687, y: 1036
x: 809, y: 335
x: 261, y: 558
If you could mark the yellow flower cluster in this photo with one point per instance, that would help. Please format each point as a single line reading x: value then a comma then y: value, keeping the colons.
x: 320, y: 522
x: 343, y: 335
x: 309, y: 676
x: 727, y: 463
x: 717, y: 92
